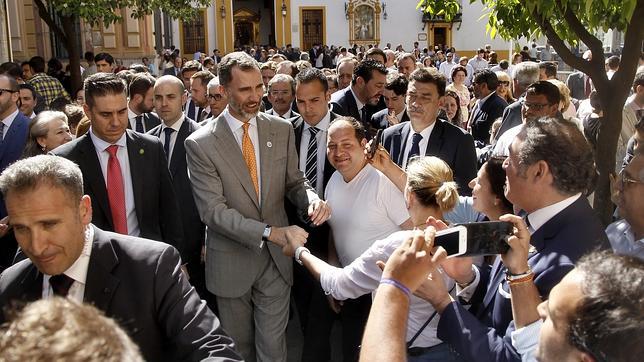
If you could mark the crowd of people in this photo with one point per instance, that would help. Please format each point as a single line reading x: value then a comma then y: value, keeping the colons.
x: 189, y: 208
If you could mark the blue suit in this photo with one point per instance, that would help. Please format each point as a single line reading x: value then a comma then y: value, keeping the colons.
x: 12, y: 146
x: 484, y: 332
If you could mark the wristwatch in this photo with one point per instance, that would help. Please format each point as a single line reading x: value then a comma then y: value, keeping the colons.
x: 267, y: 232
x: 298, y: 253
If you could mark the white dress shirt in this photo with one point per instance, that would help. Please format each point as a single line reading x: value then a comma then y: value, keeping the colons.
x: 236, y: 127
x: 103, y: 156
x: 77, y: 271
x: 131, y: 116
x: 422, y: 145
x: 363, y: 276
x: 8, y: 121
x: 358, y: 103
x: 173, y: 136
x: 536, y: 219
x: 622, y: 240
x: 323, y: 127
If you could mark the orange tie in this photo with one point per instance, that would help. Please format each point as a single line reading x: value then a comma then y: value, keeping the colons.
x: 248, y: 151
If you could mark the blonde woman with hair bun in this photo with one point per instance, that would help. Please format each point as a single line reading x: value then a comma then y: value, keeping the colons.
x: 429, y: 191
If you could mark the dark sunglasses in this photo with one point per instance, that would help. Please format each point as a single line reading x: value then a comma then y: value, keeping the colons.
x: 2, y: 90
x: 504, y: 82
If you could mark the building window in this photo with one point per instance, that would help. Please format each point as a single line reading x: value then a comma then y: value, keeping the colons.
x: 312, y: 27
x: 194, y: 34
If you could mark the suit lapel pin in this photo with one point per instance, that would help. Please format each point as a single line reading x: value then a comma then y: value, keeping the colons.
x: 141, y: 151
x: 269, y: 144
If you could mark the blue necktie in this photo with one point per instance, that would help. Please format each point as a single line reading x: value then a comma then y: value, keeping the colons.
x: 415, y: 147
x: 139, y: 124
x: 166, y: 142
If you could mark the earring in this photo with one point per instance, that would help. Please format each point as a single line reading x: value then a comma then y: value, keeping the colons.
x: 44, y: 149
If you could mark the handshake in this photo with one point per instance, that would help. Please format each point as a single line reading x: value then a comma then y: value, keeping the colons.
x: 289, y: 238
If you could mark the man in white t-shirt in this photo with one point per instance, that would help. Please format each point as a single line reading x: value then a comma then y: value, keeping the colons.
x: 366, y: 207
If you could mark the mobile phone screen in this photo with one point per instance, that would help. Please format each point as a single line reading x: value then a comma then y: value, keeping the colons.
x: 375, y: 143
x: 488, y: 238
x: 449, y: 240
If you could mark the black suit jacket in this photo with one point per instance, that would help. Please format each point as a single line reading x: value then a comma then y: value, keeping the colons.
x: 139, y: 283
x: 154, y: 198
x: 193, y: 229
x: 318, y: 236
x: 576, y: 82
x: 558, y: 244
x: 483, y: 115
x: 379, y: 119
x: 447, y: 142
x: 273, y: 113
x: 150, y: 120
x: 172, y: 71
x: 511, y: 118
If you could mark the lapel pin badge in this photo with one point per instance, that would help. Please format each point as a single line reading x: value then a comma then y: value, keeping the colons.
x: 269, y: 144
x: 141, y: 151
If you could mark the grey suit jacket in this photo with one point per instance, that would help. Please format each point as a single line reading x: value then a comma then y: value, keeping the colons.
x: 229, y: 206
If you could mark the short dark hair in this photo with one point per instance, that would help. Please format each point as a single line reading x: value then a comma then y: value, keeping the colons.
x: 104, y: 56
x: 89, y: 56
x: 610, y: 314
x: 429, y: 75
x: 14, y: 70
x: 458, y: 68
x: 37, y: 63
x: 139, y: 68
x: 397, y: 83
x: 140, y: 84
x: 376, y: 51
x: 564, y: 148
x: 102, y: 84
x: 504, y: 64
x: 488, y: 77
x: 365, y: 70
x: 496, y: 174
x: 613, y: 62
x: 547, y: 89
x: 550, y: 68
x: 358, y: 127
x: 310, y: 75
x: 457, y: 117
x: 29, y: 87
x: 204, y: 77
x: 236, y: 59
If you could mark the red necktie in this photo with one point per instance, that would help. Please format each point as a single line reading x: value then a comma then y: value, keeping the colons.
x: 115, y: 191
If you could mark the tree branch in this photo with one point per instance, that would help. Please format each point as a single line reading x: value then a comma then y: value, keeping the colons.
x: 559, y: 45
x: 594, y: 44
x: 633, y: 36
x: 44, y: 15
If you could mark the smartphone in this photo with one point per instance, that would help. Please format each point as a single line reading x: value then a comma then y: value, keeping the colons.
x: 474, y: 239
x: 375, y: 142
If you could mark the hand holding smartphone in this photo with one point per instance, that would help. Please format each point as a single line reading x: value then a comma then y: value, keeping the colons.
x: 375, y: 143
x: 474, y: 239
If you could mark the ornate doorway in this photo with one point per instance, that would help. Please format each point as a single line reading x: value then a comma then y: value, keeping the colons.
x: 246, y: 27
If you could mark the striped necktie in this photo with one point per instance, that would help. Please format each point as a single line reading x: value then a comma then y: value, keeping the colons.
x: 312, y: 158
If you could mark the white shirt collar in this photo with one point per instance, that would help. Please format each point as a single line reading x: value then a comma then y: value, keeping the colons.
x: 130, y: 113
x: 425, y: 133
x: 541, y: 216
x: 102, y: 145
x: 176, y: 125
x: 400, y: 115
x: 323, y: 125
x: 355, y: 96
x: 78, y: 270
x: 9, y: 120
x: 236, y: 124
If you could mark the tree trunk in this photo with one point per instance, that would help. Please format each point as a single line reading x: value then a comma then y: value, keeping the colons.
x: 74, y: 52
x: 612, y: 100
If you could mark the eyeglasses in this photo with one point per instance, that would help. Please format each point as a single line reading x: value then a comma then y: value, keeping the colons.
x: 2, y: 90
x: 216, y: 97
x: 504, y: 82
x: 535, y: 106
x: 625, y: 180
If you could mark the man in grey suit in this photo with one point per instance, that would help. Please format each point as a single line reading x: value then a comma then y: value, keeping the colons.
x: 242, y: 166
